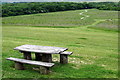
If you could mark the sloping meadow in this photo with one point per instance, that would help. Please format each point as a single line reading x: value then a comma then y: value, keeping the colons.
x: 95, y: 51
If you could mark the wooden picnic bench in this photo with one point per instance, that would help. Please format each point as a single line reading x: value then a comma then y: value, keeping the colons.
x: 43, y: 53
x: 43, y: 56
x: 44, y: 66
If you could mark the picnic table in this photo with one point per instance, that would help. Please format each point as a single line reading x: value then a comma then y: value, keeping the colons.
x: 43, y: 53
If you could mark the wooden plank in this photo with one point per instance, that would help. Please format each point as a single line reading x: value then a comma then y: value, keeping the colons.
x: 45, y: 64
x: 66, y: 53
x: 40, y: 49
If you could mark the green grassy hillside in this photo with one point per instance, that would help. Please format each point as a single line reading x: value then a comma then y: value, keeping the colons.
x: 95, y: 50
x: 65, y: 18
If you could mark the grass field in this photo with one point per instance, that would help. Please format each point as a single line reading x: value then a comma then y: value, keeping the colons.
x: 95, y: 48
x: 65, y: 18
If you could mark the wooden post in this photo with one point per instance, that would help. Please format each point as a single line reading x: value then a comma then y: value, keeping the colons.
x: 27, y: 55
x: 47, y: 58
x: 19, y: 66
x: 38, y: 57
x: 63, y: 58
x: 44, y: 70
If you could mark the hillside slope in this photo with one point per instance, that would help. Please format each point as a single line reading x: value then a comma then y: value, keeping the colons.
x: 95, y: 51
x: 65, y: 18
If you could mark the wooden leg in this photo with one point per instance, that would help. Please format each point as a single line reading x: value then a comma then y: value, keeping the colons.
x: 44, y: 70
x: 63, y: 59
x: 19, y: 66
x: 27, y: 55
x: 38, y: 57
x: 47, y: 58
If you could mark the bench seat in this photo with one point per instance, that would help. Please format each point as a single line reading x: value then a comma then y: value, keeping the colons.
x: 44, y: 66
x: 66, y: 53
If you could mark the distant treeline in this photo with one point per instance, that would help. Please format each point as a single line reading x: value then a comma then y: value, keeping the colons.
x: 106, y: 5
x: 14, y: 9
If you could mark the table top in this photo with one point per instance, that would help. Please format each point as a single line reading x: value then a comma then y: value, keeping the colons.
x: 40, y: 49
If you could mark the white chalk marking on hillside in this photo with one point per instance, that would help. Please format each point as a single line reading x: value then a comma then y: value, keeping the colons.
x: 84, y: 15
x: 86, y: 10
x: 87, y: 16
x: 82, y: 18
x: 81, y: 13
